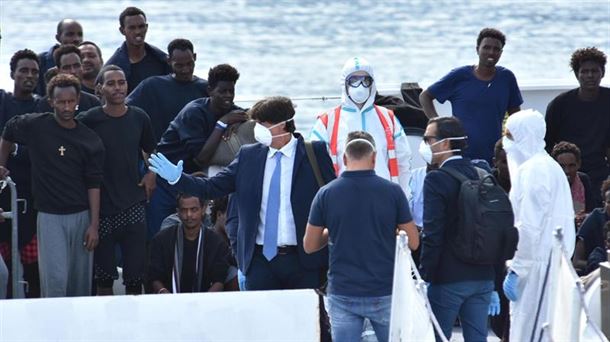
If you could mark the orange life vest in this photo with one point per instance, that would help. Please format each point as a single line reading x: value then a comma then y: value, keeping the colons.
x: 389, y: 136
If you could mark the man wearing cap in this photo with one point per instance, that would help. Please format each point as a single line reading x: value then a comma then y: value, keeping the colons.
x: 357, y: 112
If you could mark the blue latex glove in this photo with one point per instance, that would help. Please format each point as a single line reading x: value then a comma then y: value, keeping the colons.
x: 164, y: 168
x: 494, y: 304
x: 511, y: 286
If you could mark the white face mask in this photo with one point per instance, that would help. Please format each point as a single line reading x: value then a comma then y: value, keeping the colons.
x: 426, y: 153
x: 359, y: 94
x: 263, y: 135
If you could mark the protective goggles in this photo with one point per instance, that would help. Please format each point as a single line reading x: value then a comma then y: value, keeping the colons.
x: 356, y: 80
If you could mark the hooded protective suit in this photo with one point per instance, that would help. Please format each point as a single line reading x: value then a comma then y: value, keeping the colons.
x: 542, y: 201
x: 366, y: 119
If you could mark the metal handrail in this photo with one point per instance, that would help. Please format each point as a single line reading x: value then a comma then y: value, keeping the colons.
x: 13, y: 215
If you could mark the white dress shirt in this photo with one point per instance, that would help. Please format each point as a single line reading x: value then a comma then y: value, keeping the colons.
x: 286, y: 235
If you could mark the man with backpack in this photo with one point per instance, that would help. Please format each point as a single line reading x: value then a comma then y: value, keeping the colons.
x: 461, y: 283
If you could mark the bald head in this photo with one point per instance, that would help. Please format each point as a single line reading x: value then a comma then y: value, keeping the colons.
x: 69, y: 31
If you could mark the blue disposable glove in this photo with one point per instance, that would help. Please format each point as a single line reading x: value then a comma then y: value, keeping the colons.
x: 164, y: 168
x: 494, y: 304
x: 511, y: 286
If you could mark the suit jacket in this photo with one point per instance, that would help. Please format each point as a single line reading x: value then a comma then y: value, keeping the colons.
x: 438, y: 264
x: 244, y: 178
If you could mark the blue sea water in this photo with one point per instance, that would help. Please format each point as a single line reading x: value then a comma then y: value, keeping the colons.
x: 297, y: 48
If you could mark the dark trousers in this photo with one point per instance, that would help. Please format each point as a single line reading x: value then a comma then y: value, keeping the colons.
x: 281, y: 273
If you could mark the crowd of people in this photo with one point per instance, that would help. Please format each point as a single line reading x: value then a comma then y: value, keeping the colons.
x: 139, y: 164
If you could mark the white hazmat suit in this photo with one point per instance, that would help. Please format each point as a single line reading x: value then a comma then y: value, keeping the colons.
x: 542, y: 201
x: 366, y: 119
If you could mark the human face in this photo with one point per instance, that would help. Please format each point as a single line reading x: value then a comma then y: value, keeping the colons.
x: 183, y: 64
x: 222, y: 96
x: 134, y: 30
x: 71, y: 33
x: 589, y: 75
x: 71, y: 64
x: 489, y: 51
x: 431, y: 139
x: 114, y: 88
x: 64, y: 101
x: 92, y: 62
x: 569, y: 164
x: 501, y: 164
x: 26, y: 75
x: 191, y: 212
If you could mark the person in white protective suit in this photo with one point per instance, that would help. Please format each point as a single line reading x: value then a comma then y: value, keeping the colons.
x: 542, y: 201
x: 357, y: 112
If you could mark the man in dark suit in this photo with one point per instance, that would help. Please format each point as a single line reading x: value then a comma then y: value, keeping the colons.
x: 456, y: 288
x: 273, y: 185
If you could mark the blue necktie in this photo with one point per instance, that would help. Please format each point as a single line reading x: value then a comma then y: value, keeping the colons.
x: 273, y: 210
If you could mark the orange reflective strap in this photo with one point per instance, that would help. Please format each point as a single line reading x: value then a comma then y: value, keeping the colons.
x: 389, y: 136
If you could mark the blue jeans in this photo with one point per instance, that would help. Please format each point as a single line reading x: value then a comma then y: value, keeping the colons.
x: 347, y: 316
x: 468, y: 299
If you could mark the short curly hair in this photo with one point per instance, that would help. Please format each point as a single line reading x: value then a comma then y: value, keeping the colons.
x: 222, y: 72
x: 565, y: 147
x: 63, y: 81
x: 489, y: 32
x: 592, y: 54
x: 23, y: 54
x: 65, y: 50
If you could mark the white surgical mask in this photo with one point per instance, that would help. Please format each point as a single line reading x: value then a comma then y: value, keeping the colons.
x: 263, y: 135
x: 507, y: 144
x: 359, y: 94
x: 426, y: 153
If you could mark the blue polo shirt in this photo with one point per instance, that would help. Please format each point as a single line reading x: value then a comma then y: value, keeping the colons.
x: 480, y: 105
x: 361, y: 211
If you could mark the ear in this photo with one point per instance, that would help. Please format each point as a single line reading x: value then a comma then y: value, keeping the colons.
x: 194, y: 56
x: 12, y: 75
x: 122, y: 30
x: 344, y: 159
x: 50, y: 101
x: 57, y: 37
x: 209, y: 90
x: 374, y: 160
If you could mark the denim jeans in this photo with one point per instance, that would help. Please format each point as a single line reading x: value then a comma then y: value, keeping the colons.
x: 468, y: 299
x: 347, y: 316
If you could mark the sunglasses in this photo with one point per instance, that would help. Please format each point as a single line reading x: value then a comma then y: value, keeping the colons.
x: 357, y: 80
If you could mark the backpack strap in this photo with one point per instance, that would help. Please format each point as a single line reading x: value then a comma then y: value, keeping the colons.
x: 313, y: 161
x: 455, y: 174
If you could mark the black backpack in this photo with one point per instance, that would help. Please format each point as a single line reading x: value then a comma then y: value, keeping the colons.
x: 485, y: 234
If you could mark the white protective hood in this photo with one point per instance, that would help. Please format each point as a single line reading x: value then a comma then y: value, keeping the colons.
x: 352, y: 65
x: 528, y: 129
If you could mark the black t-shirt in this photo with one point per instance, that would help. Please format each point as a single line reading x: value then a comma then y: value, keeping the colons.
x: 161, y: 262
x: 189, y: 262
x: 584, y: 123
x: 19, y: 164
x: 162, y: 98
x: 65, y: 162
x: 124, y: 138
x: 147, y: 67
x: 85, y: 102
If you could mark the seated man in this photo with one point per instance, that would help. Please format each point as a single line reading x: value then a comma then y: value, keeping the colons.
x: 187, y: 257
x: 590, y: 234
x: 568, y: 156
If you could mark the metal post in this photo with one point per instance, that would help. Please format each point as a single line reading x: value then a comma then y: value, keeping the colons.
x: 604, y: 272
x: 13, y: 215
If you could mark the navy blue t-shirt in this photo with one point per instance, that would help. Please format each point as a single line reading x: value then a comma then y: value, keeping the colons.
x: 361, y: 211
x: 163, y: 97
x: 188, y: 132
x: 480, y: 105
x: 592, y: 230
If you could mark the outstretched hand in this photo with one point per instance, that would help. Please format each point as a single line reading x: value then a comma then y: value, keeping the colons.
x: 160, y: 165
